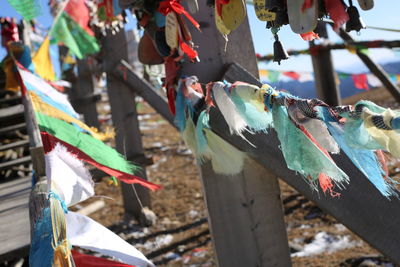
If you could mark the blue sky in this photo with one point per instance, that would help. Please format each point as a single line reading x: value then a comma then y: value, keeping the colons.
x: 384, y: 14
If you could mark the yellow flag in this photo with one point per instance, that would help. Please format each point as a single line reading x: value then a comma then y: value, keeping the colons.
x: 40, y: 106
x: 42, y: 61
x: 11, y: 81
x: 263, y: 73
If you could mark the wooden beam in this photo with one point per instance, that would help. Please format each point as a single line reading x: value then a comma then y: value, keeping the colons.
x: 376, y: 69
x: 124, y: 117
x: 13, y: 145
x: 125, y: 73
x: 11, y: 100
x: 11, y: 112
x: 361, y: 207
x: 35, y: 140
x: 14, y: 219
x: 15, y: 127
x: 245, y: 211
x: 15, y: 162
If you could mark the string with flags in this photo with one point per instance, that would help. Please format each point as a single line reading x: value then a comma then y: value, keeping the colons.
x: 309, y: 131
x: 363, y: 81
x: 68, y: 144
x: 351, y: 47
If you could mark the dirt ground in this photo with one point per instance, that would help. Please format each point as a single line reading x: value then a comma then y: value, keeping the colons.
x: 180, y: 203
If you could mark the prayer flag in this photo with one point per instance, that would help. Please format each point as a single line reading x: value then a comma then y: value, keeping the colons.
x: 55, y: 118
x: 72, y: 28
x: 42, y: 61
x: 83, y: 260
x: 88, y: 234
x: 292, y: 74
x: 28, y: 9
x: 360, y: 81
x: 67, y: 173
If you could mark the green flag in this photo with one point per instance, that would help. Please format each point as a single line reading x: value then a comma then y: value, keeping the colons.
x: 71, y: 28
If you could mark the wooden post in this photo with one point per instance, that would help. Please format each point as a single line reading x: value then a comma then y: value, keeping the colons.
x: 324, y: 73
x: 35, y: 140
x: 245, y: 210
x: 82, y: 89
x: 377, y: 70
x: 38, y: 195
x: 125, y: 121
x: 81, y: 94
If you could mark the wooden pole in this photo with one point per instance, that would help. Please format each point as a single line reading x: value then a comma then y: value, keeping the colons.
x: 125, y: 121
x: 35, y: 141
x: 374, y: 68
x: 81, y: 94
x: 245, y: 210
x: 324, y: 73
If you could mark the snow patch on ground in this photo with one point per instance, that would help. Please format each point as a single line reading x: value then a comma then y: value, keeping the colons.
x: 160, y: 241
x: 324, y: 242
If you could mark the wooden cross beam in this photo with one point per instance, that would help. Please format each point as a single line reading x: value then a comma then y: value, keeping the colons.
x: 361, y: 207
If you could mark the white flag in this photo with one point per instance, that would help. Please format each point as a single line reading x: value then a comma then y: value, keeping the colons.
x: 88, y: 234
x: 38, y: 84
x: 373, y: 80
x: 68, y: 176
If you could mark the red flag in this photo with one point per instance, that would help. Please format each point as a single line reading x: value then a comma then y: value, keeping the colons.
x: 292, y: 74
x: 79, y: 12
x: 83, y: 260
x: 167, y: 6
x: 360, y: 81
x: 49, y: 141
x: 309, y: 36
x: 337, y: 12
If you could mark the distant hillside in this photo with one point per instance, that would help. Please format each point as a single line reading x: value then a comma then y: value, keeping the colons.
x: 307, y: 89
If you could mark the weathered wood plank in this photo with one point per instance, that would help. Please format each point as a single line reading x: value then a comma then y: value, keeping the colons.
x: 14, y: 145
x: 242, y: 208
x: 11, y: 112
x: 32, y: 127
x: 144, y: 89
x: 361, y: 207
x: 14, y: 127
x: 10, y: 100
x: 8, y: 164
x: 14, y: 217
